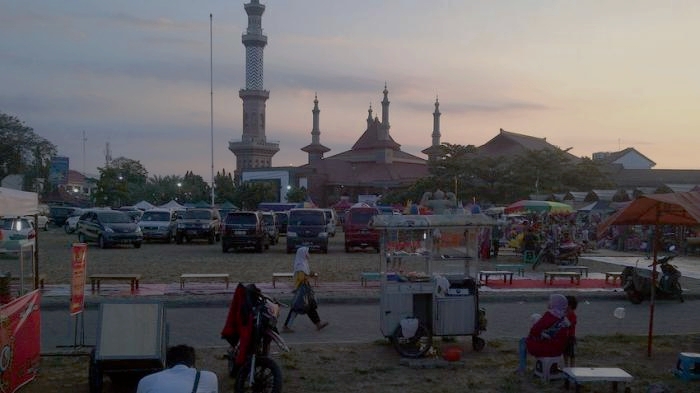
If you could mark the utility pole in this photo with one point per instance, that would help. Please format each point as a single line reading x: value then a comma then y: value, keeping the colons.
x: 211, y: 102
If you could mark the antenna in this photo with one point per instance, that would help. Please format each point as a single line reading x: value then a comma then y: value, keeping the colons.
x: 84, y: 140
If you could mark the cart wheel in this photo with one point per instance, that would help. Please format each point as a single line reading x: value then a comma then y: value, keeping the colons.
x: 412, y: 347
x: 478, y: 343
x: 95, y: 375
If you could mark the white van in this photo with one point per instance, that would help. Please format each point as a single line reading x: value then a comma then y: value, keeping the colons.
x: 331, y: 221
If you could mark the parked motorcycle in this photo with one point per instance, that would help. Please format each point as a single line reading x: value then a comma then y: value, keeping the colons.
x: 637, y: 282
x: 253, y: 317
x: 565, y: 254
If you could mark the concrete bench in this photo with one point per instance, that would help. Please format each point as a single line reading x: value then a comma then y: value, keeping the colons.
x: 513, y: 267
x: 485, y: 274
x: 614, y: 276
x: 187, y: 276
x: 579, y: 375
x: 572, y: 275
x: 30, y: 278
x: 96, y: 279
x: 580, y: 269
x: 369, y: 276
x: 278, y: 275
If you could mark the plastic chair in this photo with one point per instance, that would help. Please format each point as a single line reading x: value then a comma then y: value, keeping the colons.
x: 544, y: 366
x: 688, y: 366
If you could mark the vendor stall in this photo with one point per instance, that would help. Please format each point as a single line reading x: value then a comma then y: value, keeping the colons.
x: 428, y: 286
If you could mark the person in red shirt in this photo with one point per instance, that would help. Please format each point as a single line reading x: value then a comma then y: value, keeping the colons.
x: 548, y: 336
x: 570, y: 349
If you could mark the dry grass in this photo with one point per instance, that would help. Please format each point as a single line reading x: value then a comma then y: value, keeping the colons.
x: 375, y: 367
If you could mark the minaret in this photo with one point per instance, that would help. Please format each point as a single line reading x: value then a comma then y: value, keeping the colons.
x: 384, y: 129
x: 434, y: 151
x: 369, y: 116
x: 315, y: 150
x: 253, y: 150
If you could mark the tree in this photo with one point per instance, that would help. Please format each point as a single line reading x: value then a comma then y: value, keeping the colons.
x: 249, y: 195
x: 121, y: 183
x: 224, y: 186
x: 24, y: 152
x: 297, y: 194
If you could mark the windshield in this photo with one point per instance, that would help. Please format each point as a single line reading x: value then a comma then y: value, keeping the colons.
x: 307, y: 218
x: 361, y: 217
x: 155, y: 216
x: 268, y: 219
x: 197, y: 215
x: 282, y: 218
x: 114, y: 217
x: 241, y: 219
x: 10, y: 224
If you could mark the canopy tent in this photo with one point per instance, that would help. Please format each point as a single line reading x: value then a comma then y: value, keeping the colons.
x: 597, y: 206
x: 682, y: 208
x: 227, y: 206
x: 172, y: 205
x: 532, y: 206
x: 144, y: 205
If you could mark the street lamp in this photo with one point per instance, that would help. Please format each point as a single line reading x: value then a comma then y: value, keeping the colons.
x: 179, y: 187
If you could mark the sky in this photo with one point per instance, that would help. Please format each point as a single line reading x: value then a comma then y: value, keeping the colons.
x: 141, y: 76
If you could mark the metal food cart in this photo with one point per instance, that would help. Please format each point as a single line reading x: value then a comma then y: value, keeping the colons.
x: 428, y: 285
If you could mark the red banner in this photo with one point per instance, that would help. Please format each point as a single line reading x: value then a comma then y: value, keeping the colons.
x: 20, y: 341
x: 77, y: 287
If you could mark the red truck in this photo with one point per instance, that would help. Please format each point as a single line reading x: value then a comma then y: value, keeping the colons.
x: 357, y: 231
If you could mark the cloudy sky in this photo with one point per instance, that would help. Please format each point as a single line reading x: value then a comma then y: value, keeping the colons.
x: 588, y: 75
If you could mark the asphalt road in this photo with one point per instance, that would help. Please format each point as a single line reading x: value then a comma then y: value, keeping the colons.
x: 353, y: 323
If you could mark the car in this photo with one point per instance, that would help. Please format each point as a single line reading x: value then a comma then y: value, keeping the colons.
x: 332, y: 219
x: 71, y: 222
x: 108, y: 227
x: 59, y: 214
x: 42, y: 221
x: 307, y: 227
x: 270, y: 224
x: 16, y: 228
x: 198, y: 223
x: 282, y: 218
x: 158, y: 224
x: 242, y: 229
x: 357, y: 230
x: 133, y: 212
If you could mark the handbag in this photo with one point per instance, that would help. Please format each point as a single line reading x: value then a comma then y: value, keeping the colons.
x: 196, y: 382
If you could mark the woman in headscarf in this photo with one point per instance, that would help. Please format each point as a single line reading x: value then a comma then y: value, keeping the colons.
x: 302, y: 272
x: 549, y: 334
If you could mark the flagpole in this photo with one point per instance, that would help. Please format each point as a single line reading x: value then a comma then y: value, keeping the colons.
x: 211, y: 103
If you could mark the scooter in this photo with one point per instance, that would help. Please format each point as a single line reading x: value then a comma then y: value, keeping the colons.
x: 637, y: 282
x: 565, y: 254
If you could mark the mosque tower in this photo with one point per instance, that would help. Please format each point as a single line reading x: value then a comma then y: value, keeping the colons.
x: 433, y: 152
x: 315, y: 150
x: 253, y: 150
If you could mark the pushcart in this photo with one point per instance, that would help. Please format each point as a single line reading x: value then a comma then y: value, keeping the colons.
x: 428, y: 287
x: 132, y: 340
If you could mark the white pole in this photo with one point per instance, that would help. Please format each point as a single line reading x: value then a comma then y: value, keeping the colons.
x: 211, y: 103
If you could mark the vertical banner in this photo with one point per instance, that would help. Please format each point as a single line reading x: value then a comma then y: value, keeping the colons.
x: 77, y: 287
x: 20, y: 341
x: 58, y: 171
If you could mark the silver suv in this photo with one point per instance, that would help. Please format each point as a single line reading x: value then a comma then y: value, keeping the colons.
x: 158, y: 224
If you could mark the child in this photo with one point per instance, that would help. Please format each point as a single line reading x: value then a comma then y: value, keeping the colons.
x: 570, y: 349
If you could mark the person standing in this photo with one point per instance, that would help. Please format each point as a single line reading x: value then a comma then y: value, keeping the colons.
x: 302, y: 272
x: 570, y: 349
x: 181, y: 376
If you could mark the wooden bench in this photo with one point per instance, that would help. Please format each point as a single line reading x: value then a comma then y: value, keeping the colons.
x: 572, y: 275
x: 30, y: 278
x: 369, y: 276
x: 484, y: 275
x: 276, y: 276
x: 186, y: 276
x: 614, y: 276
x: 580, y: 269
x: 513, y: 267
x: 133, y: 279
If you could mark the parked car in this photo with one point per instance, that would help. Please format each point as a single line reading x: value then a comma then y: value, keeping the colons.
x: 59, y: 214
x: 282, y: 220
x: 158, y: 224
x: 72, y: 221
x: 108, y: 227
x: 332, y: 221
x: 16, y: 228
x: 198, y: 223
x: 42, y: 221
x: 307, y: 227
x: 270, y: 224
x: 357, y: 231
x: 133, y: 212
x: 243, y: 229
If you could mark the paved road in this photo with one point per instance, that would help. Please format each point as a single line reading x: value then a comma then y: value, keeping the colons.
x: 200, y: 326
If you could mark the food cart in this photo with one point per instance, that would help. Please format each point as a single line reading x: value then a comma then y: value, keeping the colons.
x: 428, y: 285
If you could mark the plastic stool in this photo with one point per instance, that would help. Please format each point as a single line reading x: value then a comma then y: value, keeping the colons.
x: 543, y: 368
x: 688, y: 366
x: 529, y: 256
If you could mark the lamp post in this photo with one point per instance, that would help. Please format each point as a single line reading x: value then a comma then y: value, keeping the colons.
x: 179, y: 188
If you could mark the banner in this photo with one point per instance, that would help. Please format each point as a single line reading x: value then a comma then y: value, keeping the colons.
x: 20, y: 341
x: 79, y: 269
x: 58, y: 171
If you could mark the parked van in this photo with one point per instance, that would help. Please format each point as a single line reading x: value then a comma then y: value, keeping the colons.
x: 357, y: 231
x: 331, y: 221
x: 307, y: 227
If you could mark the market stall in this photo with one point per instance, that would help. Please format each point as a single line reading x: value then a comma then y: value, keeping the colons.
x: 428, y: 283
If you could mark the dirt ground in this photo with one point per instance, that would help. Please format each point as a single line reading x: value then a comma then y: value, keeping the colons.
x: 370, y: 367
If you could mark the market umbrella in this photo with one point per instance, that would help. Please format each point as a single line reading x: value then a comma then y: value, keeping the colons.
x: 681, y: 208
x: 526, y: 205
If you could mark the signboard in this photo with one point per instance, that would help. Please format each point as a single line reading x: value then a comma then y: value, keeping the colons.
x: 20, y: 341
x: 79, y: 269
x: 58, y: 172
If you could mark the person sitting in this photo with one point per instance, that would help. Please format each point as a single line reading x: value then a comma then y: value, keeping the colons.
x: 181, y: 376
x: 549, y: 335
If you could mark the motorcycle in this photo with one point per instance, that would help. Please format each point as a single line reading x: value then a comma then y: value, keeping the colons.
x: 565, y: 254
x: 637, y: 282
x: 253, y: 327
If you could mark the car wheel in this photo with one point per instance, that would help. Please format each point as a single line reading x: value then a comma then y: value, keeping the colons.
x: 137, y: 245
x: 81, y: 238
x: 67, y: 229
x: 211, y: 239
x: 46, y: 227
x: 101, y: 242
x: 168, y: 238
x: 178, y: 239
